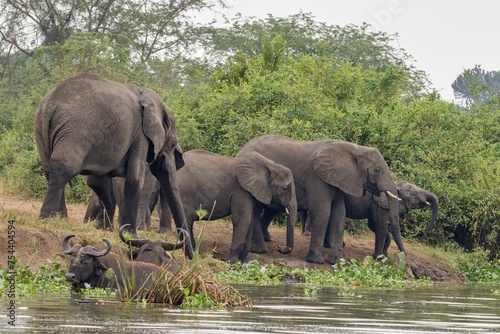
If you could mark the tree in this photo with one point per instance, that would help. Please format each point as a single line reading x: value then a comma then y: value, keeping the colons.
x: 477, y: 86
x: 150, y: 27
x: 304, y: 35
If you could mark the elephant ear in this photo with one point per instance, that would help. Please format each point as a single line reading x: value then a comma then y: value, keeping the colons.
x: 155, y: 121
x: 254, y: 175
x: 336, y: 164
x: 381, y: 200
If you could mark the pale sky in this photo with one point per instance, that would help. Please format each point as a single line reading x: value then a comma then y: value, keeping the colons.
x: 444, y: 37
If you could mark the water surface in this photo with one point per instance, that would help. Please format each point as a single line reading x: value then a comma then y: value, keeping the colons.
x: 444, y: 308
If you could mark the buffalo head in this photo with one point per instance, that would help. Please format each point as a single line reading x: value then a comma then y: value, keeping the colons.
x: 147, y: 250
x: 85, y: 266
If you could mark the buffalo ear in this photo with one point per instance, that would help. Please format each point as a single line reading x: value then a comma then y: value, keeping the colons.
x: 335, y: 164
x: 101, y: 268
x: 254, y: 175
x: 155, y: 121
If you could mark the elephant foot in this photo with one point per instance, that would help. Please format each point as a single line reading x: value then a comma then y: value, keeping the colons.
x: 104, y: 225
x: 52, y: 215
x: 306, y: 233
x: 259, y: 250
x: 314, y: 257
x: 164, y: 229
x: 267, y: 236
x: 334, y: 257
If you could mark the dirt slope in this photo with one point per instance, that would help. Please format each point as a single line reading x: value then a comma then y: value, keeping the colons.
x: 38, y: 244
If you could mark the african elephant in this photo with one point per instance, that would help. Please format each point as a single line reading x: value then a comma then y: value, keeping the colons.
x: 95, y: 208
x: 239, y: 187
x: 375, y: 209
x: 324, y: 171
x: 101, y: 128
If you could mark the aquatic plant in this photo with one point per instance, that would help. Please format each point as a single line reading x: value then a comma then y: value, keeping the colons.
x: 369, y: 272
x: 477, y: 268
x: 187, y: 285
x: 23, y: 280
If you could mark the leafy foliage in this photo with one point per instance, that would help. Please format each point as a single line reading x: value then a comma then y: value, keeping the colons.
x: 479, y: 267
x: 369, y: 272
x: 291, y: 76
x: 49, y: 277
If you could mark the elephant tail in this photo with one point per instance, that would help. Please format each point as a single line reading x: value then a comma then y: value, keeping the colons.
x: 43, y: 116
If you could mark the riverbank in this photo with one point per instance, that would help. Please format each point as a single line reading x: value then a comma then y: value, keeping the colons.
x: 37, y: 241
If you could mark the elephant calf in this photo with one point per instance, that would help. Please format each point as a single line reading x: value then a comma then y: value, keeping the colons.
x: 374, y: 208
x: 239, y: 187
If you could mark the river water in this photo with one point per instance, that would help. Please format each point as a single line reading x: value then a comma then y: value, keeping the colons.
x: 443, y: 308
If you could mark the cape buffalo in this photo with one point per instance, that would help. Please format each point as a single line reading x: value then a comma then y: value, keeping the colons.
x: 89, y: 268
x: 151, y: 251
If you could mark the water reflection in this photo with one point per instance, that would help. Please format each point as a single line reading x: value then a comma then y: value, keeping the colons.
x: 457, y: 308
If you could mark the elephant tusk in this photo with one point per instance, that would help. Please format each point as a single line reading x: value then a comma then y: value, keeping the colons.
x: 392, y: 195
x: 287, y: 211
x: 427, y: 203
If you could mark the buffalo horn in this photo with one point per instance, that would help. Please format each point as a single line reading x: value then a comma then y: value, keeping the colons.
x: 65, y: 244
x: 92, y: 251
x: 131, y: 242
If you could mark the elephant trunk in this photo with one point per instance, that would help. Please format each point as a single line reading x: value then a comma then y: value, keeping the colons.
x: 167, y: 176
x: 433, y: 202
x: 394, y: 220
x: 290, y: 226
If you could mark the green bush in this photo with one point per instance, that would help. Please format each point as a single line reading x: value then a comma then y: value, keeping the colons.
x: 451, y: 152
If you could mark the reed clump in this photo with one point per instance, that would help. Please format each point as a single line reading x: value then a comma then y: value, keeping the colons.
x: 187, y: 282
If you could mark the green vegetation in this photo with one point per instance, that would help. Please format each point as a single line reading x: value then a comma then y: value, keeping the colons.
x: 48, y: 278
x: 368, y: 273
x: 292, y: 76
x: 478, y: 268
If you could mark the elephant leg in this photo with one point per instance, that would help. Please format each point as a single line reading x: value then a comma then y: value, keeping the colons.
x: 103, y: 188
x: 267, y: 217
x: 144, y: 212
x: 387, y: 244
x: 319, y: 218
x: 255, y: 220
x: 54, y: 203
x: 165, y: 171
x: 131, y: 199
x: 242, y: 213
x: 260, y: 230
x: 336, y: 226
x: 155, y: 195
x: 306, y: 223
x: 258, y: 239
x: 165, y: 215
x: 93, y: 208
x: 378, y: 224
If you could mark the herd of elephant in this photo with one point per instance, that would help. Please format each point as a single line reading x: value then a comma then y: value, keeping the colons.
x: 124, y: 140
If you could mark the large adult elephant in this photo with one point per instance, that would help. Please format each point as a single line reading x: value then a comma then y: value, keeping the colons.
x: 376, y: 210
x: 103, y: 129
x: 239, y: 187
x: 323, y: 172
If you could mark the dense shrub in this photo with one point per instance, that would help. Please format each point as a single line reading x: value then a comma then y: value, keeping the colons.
x: 425, y: 140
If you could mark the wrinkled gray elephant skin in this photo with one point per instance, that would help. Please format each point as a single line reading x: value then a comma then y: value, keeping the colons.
x: 324, y: 171
x: 103, y: 129
x: 239, y: 187
x: 375, y: 209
